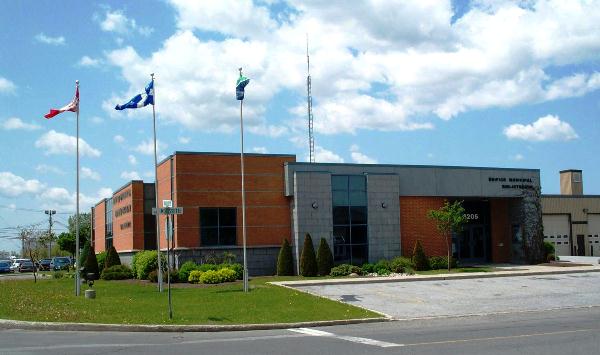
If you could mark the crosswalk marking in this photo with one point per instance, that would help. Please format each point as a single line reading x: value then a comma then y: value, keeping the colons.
x: 366, y: 341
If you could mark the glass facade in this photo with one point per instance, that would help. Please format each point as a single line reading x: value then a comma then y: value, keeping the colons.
x: 108, y: 224
x: 350, y: 236
x: 218, y: 226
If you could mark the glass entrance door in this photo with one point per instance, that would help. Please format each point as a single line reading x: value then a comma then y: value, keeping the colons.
x: 472, y: 246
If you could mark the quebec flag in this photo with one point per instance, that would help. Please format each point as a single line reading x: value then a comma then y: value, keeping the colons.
x: 140, y: 100
x: 240, y: 85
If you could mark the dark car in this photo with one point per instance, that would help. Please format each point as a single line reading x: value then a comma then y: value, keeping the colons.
x: 5, y: 266
x: 60, y: 263
x: 44, y: 264
x: 26, y: 266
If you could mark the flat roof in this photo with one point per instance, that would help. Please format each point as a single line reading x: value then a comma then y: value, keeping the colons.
x: 570, y: 196
x: 410, y: 166
x: 178, y: 152
x: 571, y: 171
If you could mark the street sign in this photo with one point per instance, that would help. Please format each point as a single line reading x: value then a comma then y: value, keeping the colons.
x: 167, y: 203
x: 168, y: 210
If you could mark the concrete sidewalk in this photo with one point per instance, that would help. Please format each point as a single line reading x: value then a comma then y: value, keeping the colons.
x: 502, y: 271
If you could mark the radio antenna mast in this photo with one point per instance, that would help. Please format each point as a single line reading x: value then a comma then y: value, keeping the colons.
x: 311, y: 138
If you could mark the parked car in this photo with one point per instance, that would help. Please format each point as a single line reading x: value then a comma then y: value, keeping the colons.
x: 60, y: 263
x: 44, y: 264
x: 5, y: 266
x: 16, y: 264
x: 26, y: 266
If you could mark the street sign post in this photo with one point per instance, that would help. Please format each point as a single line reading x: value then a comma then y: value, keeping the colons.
x: 168, y: 210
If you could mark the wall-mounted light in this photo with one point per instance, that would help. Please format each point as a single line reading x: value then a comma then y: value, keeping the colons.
x: 383, y: 205
x: 315, y: 205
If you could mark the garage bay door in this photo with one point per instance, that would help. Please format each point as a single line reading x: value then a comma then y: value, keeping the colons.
x: 556, y: 231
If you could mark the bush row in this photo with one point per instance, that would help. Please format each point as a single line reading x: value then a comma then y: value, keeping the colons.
x: 398, y: 265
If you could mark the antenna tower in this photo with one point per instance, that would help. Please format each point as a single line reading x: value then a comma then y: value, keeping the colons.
x: 311, y: 138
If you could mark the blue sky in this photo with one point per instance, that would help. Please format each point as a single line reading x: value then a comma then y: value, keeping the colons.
x: 474, y: 83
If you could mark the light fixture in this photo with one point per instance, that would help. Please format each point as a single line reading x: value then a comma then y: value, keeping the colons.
x: 383, y: 205
x: 315, y: 205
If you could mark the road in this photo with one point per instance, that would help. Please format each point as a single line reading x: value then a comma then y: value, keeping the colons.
x: 569, y: 331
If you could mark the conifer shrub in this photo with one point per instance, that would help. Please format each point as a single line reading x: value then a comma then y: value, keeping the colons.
x: 308, y: 260
x: 285, y: 264
x: 419, y: 258
x: 324, y: 258
x: 101, y: 257
x: 91, y: 271
x: 112, y: 258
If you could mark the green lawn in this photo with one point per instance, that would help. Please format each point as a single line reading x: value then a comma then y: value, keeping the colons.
x: 455, y: 271
x: 126, y: 302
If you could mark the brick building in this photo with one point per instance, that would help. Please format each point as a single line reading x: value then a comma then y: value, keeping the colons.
x: 365, y: 211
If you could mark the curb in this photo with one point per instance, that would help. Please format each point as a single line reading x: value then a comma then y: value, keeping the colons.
x: 55, y: 326
x: 477, y: 275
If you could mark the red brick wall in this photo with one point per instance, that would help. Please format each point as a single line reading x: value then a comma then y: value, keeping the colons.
x: 214, y: 181
x: 500, y: 229
x: 129, y: 238
x: 99, y: 227
x: 414, y: 225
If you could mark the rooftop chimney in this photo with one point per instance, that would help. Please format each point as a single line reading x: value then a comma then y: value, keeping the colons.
x: 571, y: 182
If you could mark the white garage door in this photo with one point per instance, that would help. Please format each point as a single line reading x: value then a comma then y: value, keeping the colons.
x: 594, y: 234
x: 556, y: 231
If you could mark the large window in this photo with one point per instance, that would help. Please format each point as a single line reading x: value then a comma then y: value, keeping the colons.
x: 108, y: 224
x: 218, y: 226
x: 350, y: 239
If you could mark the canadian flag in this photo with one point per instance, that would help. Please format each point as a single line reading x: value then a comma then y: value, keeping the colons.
x: 72, y: 106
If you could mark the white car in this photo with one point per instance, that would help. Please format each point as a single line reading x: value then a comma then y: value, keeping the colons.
x: 16, y: 264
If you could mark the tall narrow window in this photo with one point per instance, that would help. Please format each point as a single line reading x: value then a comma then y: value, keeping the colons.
x: 349, y: 200
x: 218, y: 226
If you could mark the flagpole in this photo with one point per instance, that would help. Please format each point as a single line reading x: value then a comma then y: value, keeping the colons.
x: 158, y: 261
x: 77, y: 266
x: 243, y: 193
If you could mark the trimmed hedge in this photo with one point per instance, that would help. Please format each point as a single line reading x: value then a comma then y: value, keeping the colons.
x: 194, y: 277
x: 345, y: 270
x: 112, y: 258
x: 285, y: 264
x: 308, y: 260
x: 116, y: 272
x: 324, y: 258
x: 144, y: 262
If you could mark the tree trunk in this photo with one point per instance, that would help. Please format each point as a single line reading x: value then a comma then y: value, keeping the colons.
x: 448, y: 248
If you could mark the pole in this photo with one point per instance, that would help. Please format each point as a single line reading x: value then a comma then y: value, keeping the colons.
x: 77, y: 266
x: 160, y: 283
x: 243, y: 195
x: 169, y: 233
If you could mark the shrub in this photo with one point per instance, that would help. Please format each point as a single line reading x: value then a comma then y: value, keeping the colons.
x: 210, y: 277
x: 383, y: 267
x: 208, y: 267
x: 549, y: 249
x: 285, y: 264
x: 419, y: 258
x: 83, y: 255
x: 145, y: 262
x: 227, y: 275
x: 409, y: 270
x: 228, y: 258
x: 441, y: 262
x: 101, y: 257
x: 112, y: 258
x: 308, y: 260
x: 58, y: 274
x: 324, y: 258
x: 400, y: 264
x: 345, y: 270
x: 237, y: 268
x: 153, y: 276
x: 368, y: 268
x: 186, y: 268
x: 116, y: 272
x: 550, y: 257
x: 195, y: 276
x: 91, y: 266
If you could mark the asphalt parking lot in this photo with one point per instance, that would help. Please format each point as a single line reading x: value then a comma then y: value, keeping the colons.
x: 418, y: 299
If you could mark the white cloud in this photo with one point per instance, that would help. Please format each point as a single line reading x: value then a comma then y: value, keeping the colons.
x: 149, y: 174
x: 260, y: 150
x: 323, y: 155
x: 547, y: 128
x: 59, y: 143
x: 119, y: 139
x: 184, y: 140
x: 62, y: 199
x: 116, y: 21
x: 44, y: 169
x: 272, y: 131
x: 147, y: 147
x: 87, y: 173
x: 7, y: 86
x: 14, y: 123
x: 130, y: 175
x: 359, y: 157
x: 87, y: 61
x: 385, y: 74
x: 517, y: 157
x: 55, y: 41
x: 132, y: 160
x: 97, y: 120
x: 12, y: 185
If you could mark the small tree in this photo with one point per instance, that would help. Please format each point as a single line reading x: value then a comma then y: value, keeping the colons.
x: 308, y: 260
x: 112, y: 258
x: 324, y: 258
x: 66, y: 242
x: 419, y: 258
x: 91, y: 266
x: 30, y: 239
x: 285, y: 264
x: 84, y: 253
x: 449, y: 219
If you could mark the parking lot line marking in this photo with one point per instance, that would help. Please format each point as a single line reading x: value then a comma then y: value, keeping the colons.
x: 359, y: 340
